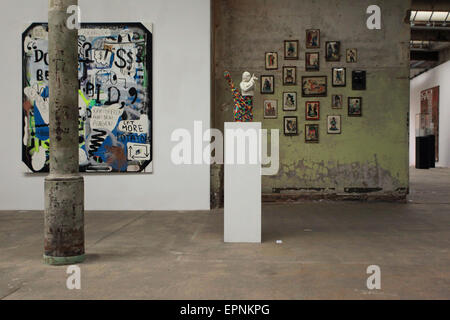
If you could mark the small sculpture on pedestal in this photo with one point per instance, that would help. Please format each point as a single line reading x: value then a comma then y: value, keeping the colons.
x: 243, y: 102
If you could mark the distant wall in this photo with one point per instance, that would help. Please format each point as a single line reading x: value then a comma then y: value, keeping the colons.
x: 439, y: 76
x: 371, y: 154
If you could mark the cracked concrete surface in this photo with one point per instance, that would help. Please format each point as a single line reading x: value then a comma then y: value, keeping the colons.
x: 326, y: 249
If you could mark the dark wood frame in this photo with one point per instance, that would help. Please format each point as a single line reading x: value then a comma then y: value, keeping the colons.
x: 339, y: 53
x: 261, y: 84
x: 295, y: 78
x: 342, y: 101
x: 265, y: 60
x: 298, y: 50
x: 318, y: 134
x: 340, y: 123
x: 264, y: 109
x: 332, y: 77
x: 348, y: 107
x: 315, y: 95
x: 284, y: 126
x: 306, y: 61
x: 306, y: 39
x: 296, y: 100
x: 306, y: 111
x: 346, y: 55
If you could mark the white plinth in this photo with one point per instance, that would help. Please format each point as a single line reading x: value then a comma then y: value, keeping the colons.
x: 242, y: 183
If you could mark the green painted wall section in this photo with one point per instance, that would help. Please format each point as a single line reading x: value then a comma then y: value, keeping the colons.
x: 372, y: 151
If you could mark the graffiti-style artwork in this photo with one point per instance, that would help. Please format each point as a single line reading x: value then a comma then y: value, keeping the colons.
x: 115, y: 98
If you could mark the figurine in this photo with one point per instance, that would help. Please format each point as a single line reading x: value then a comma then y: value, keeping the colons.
x: 243, y: 102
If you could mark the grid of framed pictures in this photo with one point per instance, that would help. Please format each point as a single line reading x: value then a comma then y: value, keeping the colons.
x: 312, y: 87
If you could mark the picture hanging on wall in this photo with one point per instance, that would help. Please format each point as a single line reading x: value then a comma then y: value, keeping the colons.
x: 311, y: 133
x: 333, y: 51
x: 270, y: 109
x: 312, y: 110
x: 334, y: 124
x: 354, y: 106
x: 352, y: 55
x: 115, y: 98
x: 271, y: 61
x: 339, y: 76
x: 267, y: 84
x: 289, y: 101
x: 312, y: 38
x: 312, y: 61
x: 289, y: 76
x: 314, y: 86
x: 291, y: 50
x: 290, y: 126
x: 337, y: 101
x: 358, y: 80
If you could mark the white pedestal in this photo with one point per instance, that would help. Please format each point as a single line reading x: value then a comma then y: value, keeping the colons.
x: 242, y: 182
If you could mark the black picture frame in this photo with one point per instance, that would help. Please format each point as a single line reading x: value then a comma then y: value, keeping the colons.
x: 309, y: 67
x: 333, y: 80
x: 295, y: 118
x: 272, y: 91
x: 309, y: 78
x: 351, y: 113
x: 333, y: 51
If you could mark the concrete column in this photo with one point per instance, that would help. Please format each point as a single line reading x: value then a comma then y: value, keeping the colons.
x: 64, y: 187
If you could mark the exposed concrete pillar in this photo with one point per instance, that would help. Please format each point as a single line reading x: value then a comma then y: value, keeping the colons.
x: 64, y: 187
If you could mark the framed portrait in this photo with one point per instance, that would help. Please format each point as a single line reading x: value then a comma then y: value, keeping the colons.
x: 339, y: 76
x: 267, y: 84
x: 312, y: 38
x: 337, y: 101
x: 333, y: 51
x: 289, y: 76
x: 270, y: 109
x: 358, y: 80
x: 314, y: 86
x: 290, y: 126
x: 291, y: 50
x: 271, y: 61
x: 334, y: 124
x: 289, y: 101
x: 311, y: 133
x: 312, y: 61
x: 352, y: 55
x: 312, y: 110
x: 354, y: 106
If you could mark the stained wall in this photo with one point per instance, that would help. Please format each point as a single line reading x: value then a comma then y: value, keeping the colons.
x: 371, y: 154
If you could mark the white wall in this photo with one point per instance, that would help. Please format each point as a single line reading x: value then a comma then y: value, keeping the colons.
x: 181, y: 66
x: 439, y: 76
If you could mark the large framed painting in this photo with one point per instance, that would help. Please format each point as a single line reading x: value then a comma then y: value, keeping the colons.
x: 314, y: 86
x: 115, y: 97
x: 429, y: 104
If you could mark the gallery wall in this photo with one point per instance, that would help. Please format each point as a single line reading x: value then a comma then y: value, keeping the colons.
x: 371, y: 153
x: 181, y: 73
x: 439, y: 76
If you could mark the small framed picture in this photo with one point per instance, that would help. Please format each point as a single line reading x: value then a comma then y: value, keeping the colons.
x: 312, y: 110
x: 289, y: 101
x: 333, y: 51
x: 311, y: 133
x: 314, y: 86
x: 352, y: 55
x: 334, y: 124
x: 359, y: 80
x: 270, y: 109
x: 337, y: 101
x: 271, y: 61
x: 289, y: 76
x: 312, y: 61
x: 267, y: 84
x: 290, y: 126
x: 291, y: 50
x: 339, y: 76
x: 354, y: 106
x: 312, y: 38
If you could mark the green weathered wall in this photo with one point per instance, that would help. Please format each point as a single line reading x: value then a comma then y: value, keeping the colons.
x: 372, y: 151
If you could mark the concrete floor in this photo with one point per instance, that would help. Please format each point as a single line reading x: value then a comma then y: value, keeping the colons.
x: 326, y: 250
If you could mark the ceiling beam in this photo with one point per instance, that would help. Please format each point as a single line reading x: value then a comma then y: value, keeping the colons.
x: 437, y: 5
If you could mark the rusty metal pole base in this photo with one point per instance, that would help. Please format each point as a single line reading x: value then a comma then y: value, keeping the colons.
x: 64, y: 220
